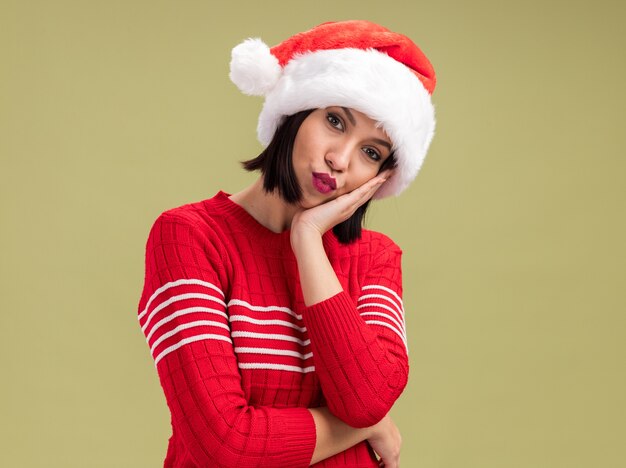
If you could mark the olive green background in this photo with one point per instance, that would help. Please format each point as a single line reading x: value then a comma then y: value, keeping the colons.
x: 513, y: 232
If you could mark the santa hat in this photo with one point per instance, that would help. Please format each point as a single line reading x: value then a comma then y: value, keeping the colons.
x: 355, y: 64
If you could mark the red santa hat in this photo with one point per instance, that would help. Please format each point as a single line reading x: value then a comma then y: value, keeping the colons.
x: 355, y: 64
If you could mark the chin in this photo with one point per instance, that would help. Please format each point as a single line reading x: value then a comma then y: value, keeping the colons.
x: 312, y: 201
x: 306, y: 204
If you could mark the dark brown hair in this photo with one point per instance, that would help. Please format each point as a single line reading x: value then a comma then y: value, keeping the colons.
x: 276, y: 166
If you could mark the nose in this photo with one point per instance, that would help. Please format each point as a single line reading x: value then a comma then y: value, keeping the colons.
x: 338, y: 159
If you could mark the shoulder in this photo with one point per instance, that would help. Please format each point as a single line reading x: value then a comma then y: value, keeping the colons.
x: 372, y: 248
x: 378, y: 243
x: 201, y: 220
x: 185, y: 213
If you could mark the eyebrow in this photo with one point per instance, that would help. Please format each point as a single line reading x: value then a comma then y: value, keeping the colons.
x: 382, y: 142
x: 353, y: 122
x: 350, y: 116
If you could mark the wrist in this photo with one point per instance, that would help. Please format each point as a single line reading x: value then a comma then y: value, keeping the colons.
x: 378, y: 428
x: 302, y: 237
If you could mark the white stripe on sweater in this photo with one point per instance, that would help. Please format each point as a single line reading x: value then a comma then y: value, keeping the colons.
x: 287, y: 310
x: 243, y: 318
x: 400, y: 312
x: 180, y: 297
x: 189, y: 310
x: 273, y: 352
x: 382, y: 306
x: 380, y: 314
x: 207, y: 336
x: 185, y: 326
x: 173, y: 284
x: 261, y: 365
x: 270, y: 336
x: 390, y: 291
x: 385, y: 324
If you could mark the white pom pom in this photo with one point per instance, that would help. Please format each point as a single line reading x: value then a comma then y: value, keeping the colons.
x: 253, y: 68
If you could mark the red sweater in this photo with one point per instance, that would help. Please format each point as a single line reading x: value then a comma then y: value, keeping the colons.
x: 239, y: 355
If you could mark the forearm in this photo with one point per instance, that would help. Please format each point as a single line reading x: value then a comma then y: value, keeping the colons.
x: 317, y: 277
x: 361, y: 374
x: 334, y: 435
x: 373, y: 360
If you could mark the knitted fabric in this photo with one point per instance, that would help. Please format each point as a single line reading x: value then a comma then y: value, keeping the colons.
x: 239, y: 355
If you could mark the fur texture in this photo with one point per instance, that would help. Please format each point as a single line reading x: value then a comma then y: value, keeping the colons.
x: 253, y: 68
x: 355, y: 64
x: 368, y: 81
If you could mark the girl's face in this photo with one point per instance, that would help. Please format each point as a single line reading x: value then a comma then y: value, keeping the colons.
x: 335, y: 151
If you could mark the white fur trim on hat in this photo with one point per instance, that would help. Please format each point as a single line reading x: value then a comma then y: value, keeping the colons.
x: 253, y: 68
x: 368, y: 81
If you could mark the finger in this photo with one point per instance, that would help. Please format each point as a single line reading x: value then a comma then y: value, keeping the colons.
x: 352, y: 200
x: 386, y: 173
x: 362, y: 192
x: 373, y: 182
x: 362, y: 198
x: 367, y: 190
x: 372, y: 190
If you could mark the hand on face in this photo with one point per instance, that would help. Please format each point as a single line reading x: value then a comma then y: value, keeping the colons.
x: 325, y: 216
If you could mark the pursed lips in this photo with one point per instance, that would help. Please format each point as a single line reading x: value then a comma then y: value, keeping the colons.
x: 326, y: 179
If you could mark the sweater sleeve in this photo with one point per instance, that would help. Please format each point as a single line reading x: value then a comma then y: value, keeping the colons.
x: 360, y: 349
x: 182, y: 313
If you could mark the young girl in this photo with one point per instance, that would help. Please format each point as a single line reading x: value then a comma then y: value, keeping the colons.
x: 275, y: 322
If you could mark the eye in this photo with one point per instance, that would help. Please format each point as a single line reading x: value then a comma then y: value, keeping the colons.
x: 334, y: 120
x: 372, y: 154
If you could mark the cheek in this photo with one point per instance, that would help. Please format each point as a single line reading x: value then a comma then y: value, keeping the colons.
x: 363, y: 176
x: 300, y: 154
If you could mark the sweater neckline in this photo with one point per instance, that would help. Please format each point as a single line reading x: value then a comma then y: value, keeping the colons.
x: 250, y: 224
